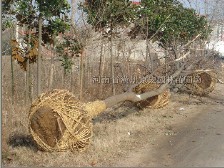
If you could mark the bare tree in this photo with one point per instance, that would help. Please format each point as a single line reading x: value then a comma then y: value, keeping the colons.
x: 39, y: 56
x: 73, y: 12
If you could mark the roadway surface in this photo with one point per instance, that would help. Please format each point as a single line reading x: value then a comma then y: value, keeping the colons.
x: 198, y: 142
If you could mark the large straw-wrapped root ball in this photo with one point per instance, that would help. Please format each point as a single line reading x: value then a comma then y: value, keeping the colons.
x: 155, y: 102
x: 201, y: 82
x: 59, y: 121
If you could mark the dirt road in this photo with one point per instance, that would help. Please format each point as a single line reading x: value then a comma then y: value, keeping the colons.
x: 196, y: 142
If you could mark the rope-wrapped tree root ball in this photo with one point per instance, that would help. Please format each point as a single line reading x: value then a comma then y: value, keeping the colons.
x: 154, y: 102
x: 201, y: 82
x: 59, y: 121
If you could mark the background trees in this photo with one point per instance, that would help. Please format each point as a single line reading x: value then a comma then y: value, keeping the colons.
x: 168, y: 23
x: 42, y: 21
x: 107, y: 17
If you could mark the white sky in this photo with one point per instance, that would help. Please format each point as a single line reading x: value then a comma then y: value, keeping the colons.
x: 201, y: 6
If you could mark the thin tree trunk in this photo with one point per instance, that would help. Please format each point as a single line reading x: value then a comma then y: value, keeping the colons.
x: 112, y: 59
x: 51, y: 78
x: 73, y: 32
x: 12, y: 74
x: 13, y: 82
x: 30, y: 83
x: 27, y: 94
x: 25, y: 86
x: 39, y: 62
x: 73, y: 13
x: 101, y: 58
x: 63, y: 78
x: 81, y: 75
x: 101, y: 67
x: 72, y: 77
x: 11, y: 113
x: 86, y: 71
x: 147, y: 52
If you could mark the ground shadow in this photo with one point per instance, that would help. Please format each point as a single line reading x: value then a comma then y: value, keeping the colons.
x: 116, y: 114
x: 216, y: 99
x: 21, y: 140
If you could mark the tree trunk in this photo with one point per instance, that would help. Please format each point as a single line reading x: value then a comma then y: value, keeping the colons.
x: 73, y: 13
x: 27, y: 83
x: 72, y: 77
x: 39, y: 62
x: 12, y: 74
x: 131, y: 96
x: 51, y: 78
x: 81, y: 75
x: 101, y: 67
x: 63, y: 78
x: 11, y: 113
x: 13, y: 83
x: 148, y: 59
x: 112, y: 59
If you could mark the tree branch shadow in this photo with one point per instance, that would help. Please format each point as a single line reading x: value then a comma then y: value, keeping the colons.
x: 117, y: 112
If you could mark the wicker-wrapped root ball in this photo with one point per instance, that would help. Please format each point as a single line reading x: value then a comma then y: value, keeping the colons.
x: 201, y: 82
x: 59, y: 121
x: 155, y: 102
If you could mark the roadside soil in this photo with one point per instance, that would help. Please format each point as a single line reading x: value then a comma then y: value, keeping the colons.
x: 196, y: 141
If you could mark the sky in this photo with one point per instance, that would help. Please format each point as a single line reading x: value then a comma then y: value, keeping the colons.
x: 201, y: 7
x: 206, y: 6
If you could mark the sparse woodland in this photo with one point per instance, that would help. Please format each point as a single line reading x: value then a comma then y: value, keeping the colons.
x: 109, y: 50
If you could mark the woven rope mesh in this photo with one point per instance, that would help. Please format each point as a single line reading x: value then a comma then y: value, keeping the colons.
x: 158, y: 101
x: 201, y: 82
x: 58, y: 122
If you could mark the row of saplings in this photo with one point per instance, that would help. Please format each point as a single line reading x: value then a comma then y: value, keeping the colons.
x: 59, y: 121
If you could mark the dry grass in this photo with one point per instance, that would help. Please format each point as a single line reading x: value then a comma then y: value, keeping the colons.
x: 117, y: 132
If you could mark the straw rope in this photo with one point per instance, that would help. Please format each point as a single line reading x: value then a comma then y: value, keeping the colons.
x: 155, y: 102
x: 71, y: 118
x: 201, y: 82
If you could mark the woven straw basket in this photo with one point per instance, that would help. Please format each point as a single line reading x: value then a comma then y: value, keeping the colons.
x: 201, y: 82
x: 59, y: 121
x: 154, y: 102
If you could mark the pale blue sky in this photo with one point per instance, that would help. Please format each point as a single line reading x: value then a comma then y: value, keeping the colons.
x: 201, y: 6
